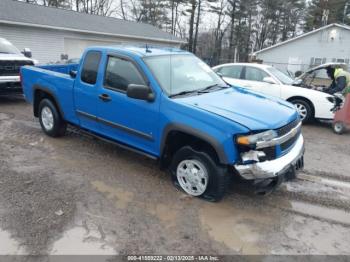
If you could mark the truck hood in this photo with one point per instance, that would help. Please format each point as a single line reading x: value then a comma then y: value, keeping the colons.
x: 250, y: 109
x: 14, y: 57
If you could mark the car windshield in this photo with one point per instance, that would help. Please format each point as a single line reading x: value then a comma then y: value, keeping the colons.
x: 285, y: 79
x: 7, y: 48
x: 182, y: 73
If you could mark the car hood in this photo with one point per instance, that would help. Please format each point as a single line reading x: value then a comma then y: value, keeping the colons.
x: 323, y: 66
x: 250, y: 109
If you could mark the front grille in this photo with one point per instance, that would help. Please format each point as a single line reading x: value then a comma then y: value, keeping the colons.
x: 285, y: 129
x: 11, y: 68
x: 270, y: 152
x: 286, y: 145
x: 282, y: 148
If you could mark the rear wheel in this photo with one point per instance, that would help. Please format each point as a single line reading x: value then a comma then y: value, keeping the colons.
x: 198, y: 174
x: 50, y: 119
x: 304, y: 109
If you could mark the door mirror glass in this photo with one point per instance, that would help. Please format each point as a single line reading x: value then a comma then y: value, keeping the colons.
x: 27, y: 52
x: 141, y: 92
x: 269, y: 80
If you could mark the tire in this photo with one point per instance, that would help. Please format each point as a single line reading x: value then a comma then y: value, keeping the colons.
x: 217, y: 178
x: 304, y: 109
x: 339, y: 128
x: 50, y: 119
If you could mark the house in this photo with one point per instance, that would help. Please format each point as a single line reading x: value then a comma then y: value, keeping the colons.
x: 54, y: 34
x: 330, y: 43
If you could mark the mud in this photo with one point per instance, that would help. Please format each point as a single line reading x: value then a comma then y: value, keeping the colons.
x: 78, y: 195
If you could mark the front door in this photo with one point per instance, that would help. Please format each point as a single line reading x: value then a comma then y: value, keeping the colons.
x: 131, y: 121
x: 254, y: 80
x: 86, y: 91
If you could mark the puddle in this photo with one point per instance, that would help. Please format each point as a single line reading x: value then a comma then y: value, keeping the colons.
x: 9, y: 246
x: 237, y: 229
x: 326, y: 181
x: 4, y: 116
x: 165, y: 213
x: 77, y: 242
x: 336, y: 215
x: 122, y: 197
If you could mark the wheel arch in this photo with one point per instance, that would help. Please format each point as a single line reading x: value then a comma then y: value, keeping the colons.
x: 176, y: 136
x: 39, y: 93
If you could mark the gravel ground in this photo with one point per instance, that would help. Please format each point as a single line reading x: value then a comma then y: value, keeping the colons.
x: 78, y: 195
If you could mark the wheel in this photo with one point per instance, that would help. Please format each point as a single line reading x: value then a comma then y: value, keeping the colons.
x: 50, y: 119
x: 339, y: 128
x: 198, y: 174
x: 304, y: 109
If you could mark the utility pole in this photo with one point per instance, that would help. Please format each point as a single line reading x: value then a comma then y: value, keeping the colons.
x: 345, y: 11
x: 325, y: 13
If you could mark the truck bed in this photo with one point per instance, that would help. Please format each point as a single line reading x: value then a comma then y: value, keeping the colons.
x: 56, y: 80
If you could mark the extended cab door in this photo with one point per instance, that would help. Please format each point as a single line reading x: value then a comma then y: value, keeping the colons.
x: 86, y: 91
x: 131, y: 121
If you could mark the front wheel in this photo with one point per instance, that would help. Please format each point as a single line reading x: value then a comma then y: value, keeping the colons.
x: 339, y: 128
x: 304, y: 109
x: 198, y: 174
x: 50, y: 119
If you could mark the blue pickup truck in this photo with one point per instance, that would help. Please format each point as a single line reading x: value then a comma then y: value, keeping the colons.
x: 169, y: 105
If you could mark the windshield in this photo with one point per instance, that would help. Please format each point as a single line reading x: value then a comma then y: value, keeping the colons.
x: 182, y: 73
x: 7, y: 48
x: 285, y: 79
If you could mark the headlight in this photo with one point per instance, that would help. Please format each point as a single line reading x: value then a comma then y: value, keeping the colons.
x: 251, y: 140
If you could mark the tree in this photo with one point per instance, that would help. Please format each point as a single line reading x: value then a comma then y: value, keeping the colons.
x: 315, y: 13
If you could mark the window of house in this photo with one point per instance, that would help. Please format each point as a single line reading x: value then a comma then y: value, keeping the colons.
x: 318, y: 61
x: 90, y: 67
x: 120, y: 73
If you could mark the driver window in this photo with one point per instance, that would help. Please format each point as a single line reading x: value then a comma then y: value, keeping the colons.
x: 120, y: 73
x: 255, y: 74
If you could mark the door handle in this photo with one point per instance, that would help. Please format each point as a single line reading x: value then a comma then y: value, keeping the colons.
x: 105, y: 97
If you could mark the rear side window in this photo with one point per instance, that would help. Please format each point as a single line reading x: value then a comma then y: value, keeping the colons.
x: 231, y: 71
x: 120, y: 73
x: 255, y: 74
x: 90, y: 67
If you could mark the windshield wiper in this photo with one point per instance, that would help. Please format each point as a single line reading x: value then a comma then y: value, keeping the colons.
x: 183, y: 93
x: 206, y: 89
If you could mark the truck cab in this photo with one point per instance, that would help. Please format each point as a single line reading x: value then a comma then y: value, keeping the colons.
x: 170, y: 106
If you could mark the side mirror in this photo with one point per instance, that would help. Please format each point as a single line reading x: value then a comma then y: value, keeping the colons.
x: 73, y: 73
x: 297, y: 82
x: 27, y: 53
x: 219, y: 74
x: 141, y: 92
x: 269, y: 80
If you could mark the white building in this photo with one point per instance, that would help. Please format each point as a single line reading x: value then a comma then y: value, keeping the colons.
x: 53, y: 33
x: 330, y: 43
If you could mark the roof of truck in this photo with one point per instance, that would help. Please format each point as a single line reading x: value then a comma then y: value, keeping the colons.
x: 141, y: 51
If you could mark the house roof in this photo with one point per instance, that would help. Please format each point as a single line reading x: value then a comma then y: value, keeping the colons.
x: 302, y: 36
x: 25, y: 14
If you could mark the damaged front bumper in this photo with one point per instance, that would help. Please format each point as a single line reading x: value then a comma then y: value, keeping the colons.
x: 290, y: 162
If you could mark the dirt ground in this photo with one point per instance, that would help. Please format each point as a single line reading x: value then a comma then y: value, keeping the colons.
x: 78, y: 195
